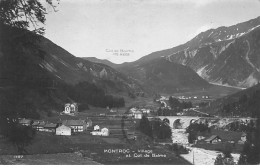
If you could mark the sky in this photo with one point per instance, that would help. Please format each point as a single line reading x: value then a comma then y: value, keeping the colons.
x: 126, y: 30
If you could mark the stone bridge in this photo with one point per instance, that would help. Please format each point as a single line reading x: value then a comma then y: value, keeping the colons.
x: 178, y: 122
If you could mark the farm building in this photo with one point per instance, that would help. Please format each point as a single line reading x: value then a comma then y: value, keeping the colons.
x: 63, y: 130
x: 50, y: 127
x: 38, y: 125
x: 213, y: 139
x: 25, y: 122
x: 75, y: 125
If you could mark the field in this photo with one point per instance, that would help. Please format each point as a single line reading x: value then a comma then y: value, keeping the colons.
x: 214, y: 91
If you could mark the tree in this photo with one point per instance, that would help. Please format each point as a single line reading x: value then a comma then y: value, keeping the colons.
x: 145, y: 127
x: 20, y: 15
x: 24, y: 13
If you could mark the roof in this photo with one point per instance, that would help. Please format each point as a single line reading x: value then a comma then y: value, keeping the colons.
x: 25, y: 121
x: 50, y: 125
x: 73, y: 122
x: 35, y: 123
x: 64, y: 126
x: 212, y: 138
x: 41, y: 124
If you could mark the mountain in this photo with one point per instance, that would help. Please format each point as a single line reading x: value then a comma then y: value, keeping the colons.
x: 39, y: 76
x: 102, y: 61
x: 245, y: 103
x: 163, y: 76
x: 225, y: 56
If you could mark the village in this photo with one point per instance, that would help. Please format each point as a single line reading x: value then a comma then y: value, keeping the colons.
x: 108, y: 125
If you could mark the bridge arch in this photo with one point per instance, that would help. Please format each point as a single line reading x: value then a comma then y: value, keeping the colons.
x: 177, y: 124
x: 166, y: 120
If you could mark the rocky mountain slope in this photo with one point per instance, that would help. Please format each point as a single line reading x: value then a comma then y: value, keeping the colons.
x: 225, y: 56
x: 38, y: 77
x: 58, y: 64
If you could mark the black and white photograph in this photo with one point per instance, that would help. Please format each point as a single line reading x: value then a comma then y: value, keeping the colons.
x: 129, y: 82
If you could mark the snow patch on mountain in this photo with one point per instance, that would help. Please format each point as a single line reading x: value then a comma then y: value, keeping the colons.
x: 202, y: 72
x: 193, y: 53
x: 47, y: 66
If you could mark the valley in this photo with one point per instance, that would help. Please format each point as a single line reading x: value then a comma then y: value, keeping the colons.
x: 194, y: 103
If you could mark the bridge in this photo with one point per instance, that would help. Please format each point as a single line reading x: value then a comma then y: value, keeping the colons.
x: 178, y: 122
x: 182, y: 122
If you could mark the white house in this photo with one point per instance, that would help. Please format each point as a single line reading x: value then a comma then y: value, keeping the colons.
x: 67, y: 108
x: 70, y: 108
x: 63, y: 130
x: 104, y: 132
x: 76, y: 125
x: 96, y: 128
x: 138, y: 115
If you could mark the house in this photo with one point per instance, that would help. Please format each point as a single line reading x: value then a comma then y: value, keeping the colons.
x: 71, y: 108
x: 50, y: 127
x: 67, y: 108
x: 63, y: 130
x: 104, y: 132
x: 40, y: 126
x: 35, y: 124
x: 96, y: 128
x: 138, y: 115
x: 75, y: 125
x: 26, y: 122
x: 213, y: 139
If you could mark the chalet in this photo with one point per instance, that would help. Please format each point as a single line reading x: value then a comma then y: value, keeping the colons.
x: 26, y: 122
x: 213, y: 139
x: 104, y: 132
x: 96, y: 128
x: 63, y: 130
x: 76, y: 125
x: 40, y: 126
x: 71, y: 108
x: 138, y: 115
x: 37, y: 124
x: 50, y: 127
